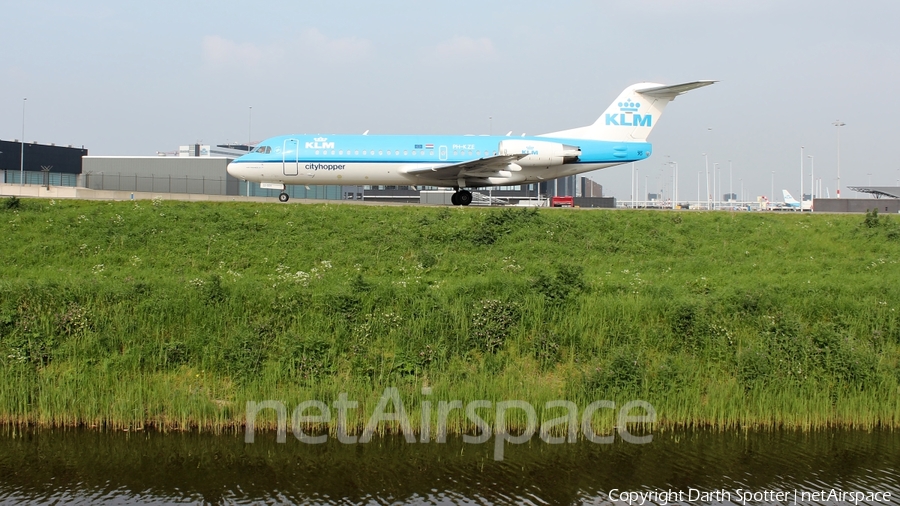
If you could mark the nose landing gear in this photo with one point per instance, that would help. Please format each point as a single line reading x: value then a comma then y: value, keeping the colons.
x: 283, y: 197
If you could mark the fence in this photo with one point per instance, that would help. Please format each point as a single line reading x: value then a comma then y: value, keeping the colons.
x: 157, y: 184
x: 167, y: 184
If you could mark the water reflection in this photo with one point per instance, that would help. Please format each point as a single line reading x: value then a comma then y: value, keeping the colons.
x: 88, y: 467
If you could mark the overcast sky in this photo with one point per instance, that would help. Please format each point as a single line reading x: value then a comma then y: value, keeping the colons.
x: 133, y: 78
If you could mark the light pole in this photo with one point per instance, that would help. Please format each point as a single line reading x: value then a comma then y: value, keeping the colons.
x: 715, y: 188
x: 705, y: 157
x: 249, y: 138
x: 632, y: 185
x: 870, y: 178
x: 730, y: 182
x: 741, y: 202
x: 839, y: 124
x: 675, y: 178
x: 801, y: 178
x: 698, y: 187
x: 637, y: 182
x: 22, y: 153
x: 772, y: 195
x: 812, y: 177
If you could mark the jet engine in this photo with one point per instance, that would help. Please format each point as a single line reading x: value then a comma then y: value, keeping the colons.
x: 540, y: 153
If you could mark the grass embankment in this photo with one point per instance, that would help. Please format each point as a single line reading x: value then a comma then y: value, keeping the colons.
x: 174, y: 315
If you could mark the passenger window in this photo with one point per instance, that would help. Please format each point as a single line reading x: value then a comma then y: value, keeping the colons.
x: 405, y: 152
x: 380, y: 152
x: 317, y: 151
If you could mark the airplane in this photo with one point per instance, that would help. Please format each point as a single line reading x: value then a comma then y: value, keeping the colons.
x: 619, y: 136
x: 791, y: 202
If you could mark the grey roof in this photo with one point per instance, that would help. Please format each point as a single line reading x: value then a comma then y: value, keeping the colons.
x: 892, y: 192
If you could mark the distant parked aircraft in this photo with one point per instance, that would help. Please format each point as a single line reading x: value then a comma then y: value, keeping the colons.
x: 790, y: 201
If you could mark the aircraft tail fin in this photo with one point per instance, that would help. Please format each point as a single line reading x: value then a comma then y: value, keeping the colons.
x: 788, y: 198
x: 633, y: 114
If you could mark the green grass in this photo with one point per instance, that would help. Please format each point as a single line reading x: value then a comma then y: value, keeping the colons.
x: 175, y: 314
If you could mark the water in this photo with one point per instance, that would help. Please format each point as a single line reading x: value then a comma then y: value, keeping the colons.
x: 91, y: 467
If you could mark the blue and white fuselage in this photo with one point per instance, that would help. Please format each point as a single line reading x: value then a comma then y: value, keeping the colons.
x: 617, y: 137
x: 416, y: 159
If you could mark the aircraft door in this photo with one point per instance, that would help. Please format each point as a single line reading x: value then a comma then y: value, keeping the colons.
x: 291, y: 157
x: 442, y: 153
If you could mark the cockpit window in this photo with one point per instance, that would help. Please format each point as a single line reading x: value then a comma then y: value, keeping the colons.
x: 263, y: 150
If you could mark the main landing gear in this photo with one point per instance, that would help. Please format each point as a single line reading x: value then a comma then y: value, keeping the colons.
x: 283, y: 197
x: 461, y: 198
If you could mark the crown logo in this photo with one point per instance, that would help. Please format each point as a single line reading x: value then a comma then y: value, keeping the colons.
x: 320, y: 139
x: 629, y: 106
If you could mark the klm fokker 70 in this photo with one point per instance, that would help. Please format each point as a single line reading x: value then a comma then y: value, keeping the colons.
x: 466, y: 161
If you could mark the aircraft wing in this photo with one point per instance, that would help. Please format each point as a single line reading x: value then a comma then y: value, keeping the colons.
x: 482, y: 167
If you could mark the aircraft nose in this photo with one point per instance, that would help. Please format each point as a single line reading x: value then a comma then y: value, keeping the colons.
x: 235, y: 170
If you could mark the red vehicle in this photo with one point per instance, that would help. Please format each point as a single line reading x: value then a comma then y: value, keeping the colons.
x: 562, y: 201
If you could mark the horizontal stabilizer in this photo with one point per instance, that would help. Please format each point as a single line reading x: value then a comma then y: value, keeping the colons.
x: 673, y: 90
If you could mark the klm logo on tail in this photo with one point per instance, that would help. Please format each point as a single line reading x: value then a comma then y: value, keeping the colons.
x: 628, y: 116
